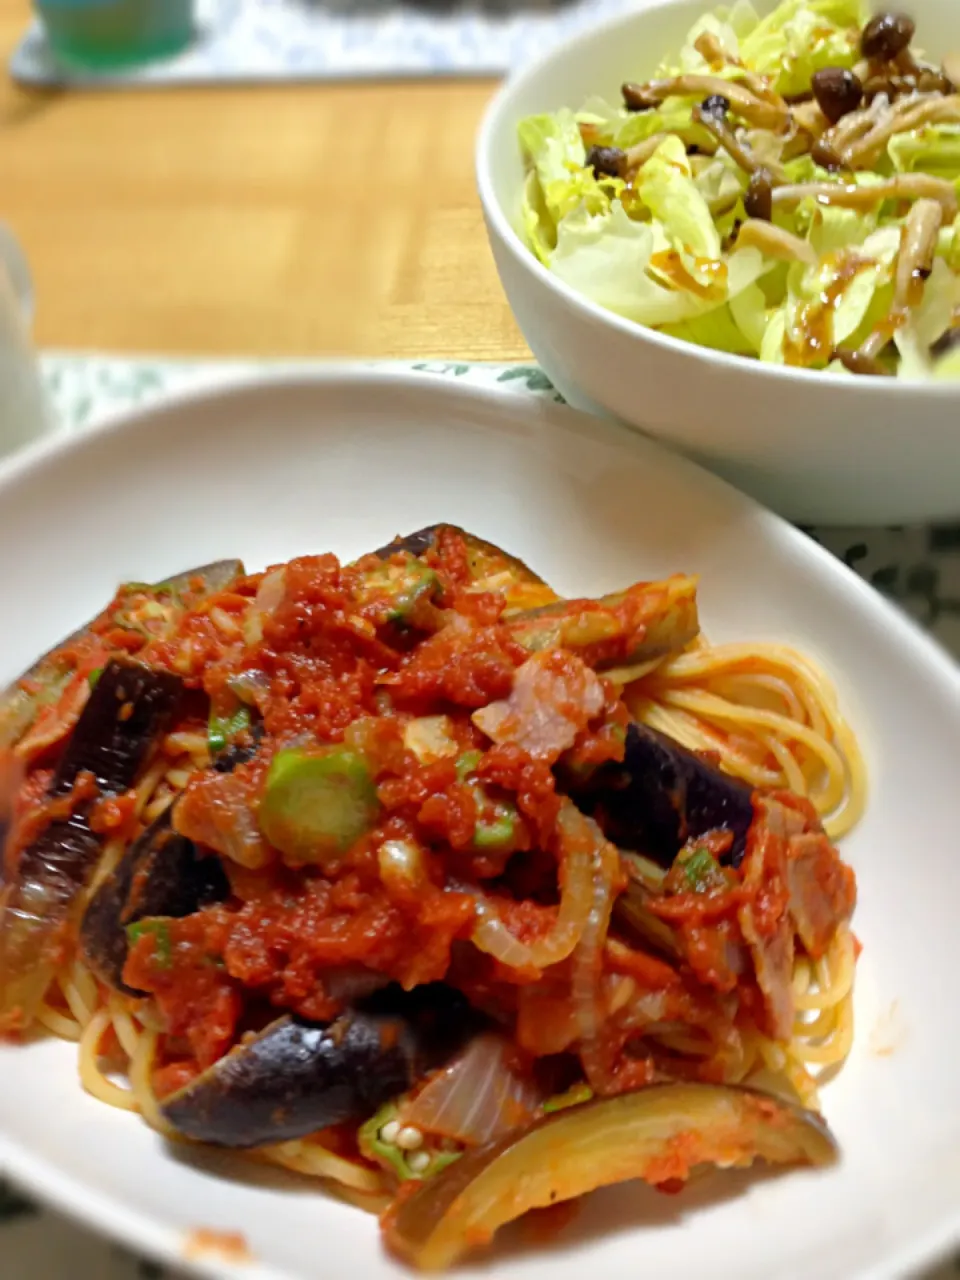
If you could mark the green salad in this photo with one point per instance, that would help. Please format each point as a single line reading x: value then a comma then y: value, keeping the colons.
x: 783, y: 188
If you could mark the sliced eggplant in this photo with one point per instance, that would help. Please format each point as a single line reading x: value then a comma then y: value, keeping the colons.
x: 46, y: 679
x: 127, y: 711
x: 296, y: 1077
x: 212, y: 577
x: 236, y: 753
x: 160, y: 874
x: 11, y: 776
x: 658, y: 1134
x: 491, y: 568
x: 663, y: 795
x: 415, y: 544
x: 647, y: 621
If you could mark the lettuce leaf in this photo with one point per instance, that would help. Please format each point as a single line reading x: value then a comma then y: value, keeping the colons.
x: 833, y: 230
x: 927, y: 322
x: 749, y: 311
x: 771, y: 349
x: 657, y: 249
x: 553, y: 146
x: 539, y: 228
x: 948, y: 244
x: 726, y: 29
x: 947, y: 366
x: 934, y: 149
x: 605, y: 258
x: 617, y: 127
x: 738, y: 327
x: 801, y: 37
x: 609, y: 258
x: 665, y: 185
x: 717, y: 330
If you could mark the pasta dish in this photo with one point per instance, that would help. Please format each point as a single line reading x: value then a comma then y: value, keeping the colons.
x: 414, y: 877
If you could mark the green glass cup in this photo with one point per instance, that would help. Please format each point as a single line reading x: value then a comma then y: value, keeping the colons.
x: 105, y: 34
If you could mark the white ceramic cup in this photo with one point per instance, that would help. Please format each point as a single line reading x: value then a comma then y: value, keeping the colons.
x: 25, y: 411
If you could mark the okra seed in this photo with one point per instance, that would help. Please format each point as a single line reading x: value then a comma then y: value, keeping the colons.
x: 409, y: 1138
x: 390, y: 1132
x: 419, y: 1161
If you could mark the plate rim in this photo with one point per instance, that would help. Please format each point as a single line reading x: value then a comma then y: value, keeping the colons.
x: 96, y: 1210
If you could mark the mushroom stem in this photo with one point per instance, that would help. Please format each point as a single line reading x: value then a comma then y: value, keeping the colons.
x: 902, y: 117
x: 712, y: 51
x: 763, y: 114
x: 726, y: 138
x: 851, y: 128
x: 859, y: 363
x: 905, y: 186
x: 918, y: 246
x: 917, y: 250
x: 637, y: 155
x: 775, y: 242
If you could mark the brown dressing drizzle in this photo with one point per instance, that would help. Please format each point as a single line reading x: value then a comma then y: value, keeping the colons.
x: 670, y: 265
x: 812, y: 340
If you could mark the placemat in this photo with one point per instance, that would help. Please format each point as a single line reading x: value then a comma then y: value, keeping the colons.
x: 918, y: 567
x: 270, y: 40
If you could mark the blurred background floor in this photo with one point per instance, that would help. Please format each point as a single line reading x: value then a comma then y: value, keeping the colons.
x: 311, y: 220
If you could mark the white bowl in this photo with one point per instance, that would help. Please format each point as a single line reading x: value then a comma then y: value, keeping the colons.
x: 815, y: 446
x: 344, y: 462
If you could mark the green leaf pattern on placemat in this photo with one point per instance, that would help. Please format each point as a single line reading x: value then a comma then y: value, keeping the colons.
x: 919, y: 568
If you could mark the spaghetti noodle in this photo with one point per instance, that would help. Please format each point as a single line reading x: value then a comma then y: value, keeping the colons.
x: 393, y: 788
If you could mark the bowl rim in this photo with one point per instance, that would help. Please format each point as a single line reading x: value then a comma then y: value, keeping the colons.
x: 499, y: 222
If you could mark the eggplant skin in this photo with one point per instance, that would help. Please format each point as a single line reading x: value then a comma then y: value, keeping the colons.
x: 663, y: 795
x: 294, y: 1078
x: 297, y: 1077
x: 160, y: 874
x: 415, y: 544
x: 419, y: 542
x: 214, y: 577
x: 126, y: 712
x: 128, y: 709
x: 237, y: 753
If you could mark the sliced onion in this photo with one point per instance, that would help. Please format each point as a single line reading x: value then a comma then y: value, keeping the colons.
x: 403, y: 868
x: 379, y: 739
x: 215, y: 811
x: 771, y: 945
x: 430, y: 738
x: 588, y: 964
x: 583, y: 858
x: 554, y: 697
x: 478, y: 1098
x: 639, y: 924
x: 55, y: 721
x: 269, y: 596
x: 251, y: 687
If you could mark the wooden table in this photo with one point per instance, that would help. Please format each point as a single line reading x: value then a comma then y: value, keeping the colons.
x: 300, y: 220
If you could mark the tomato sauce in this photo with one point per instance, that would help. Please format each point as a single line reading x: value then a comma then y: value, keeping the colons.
x: 321, y: 655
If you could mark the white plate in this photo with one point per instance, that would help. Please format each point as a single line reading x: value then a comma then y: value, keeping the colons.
x: 342, y: 462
